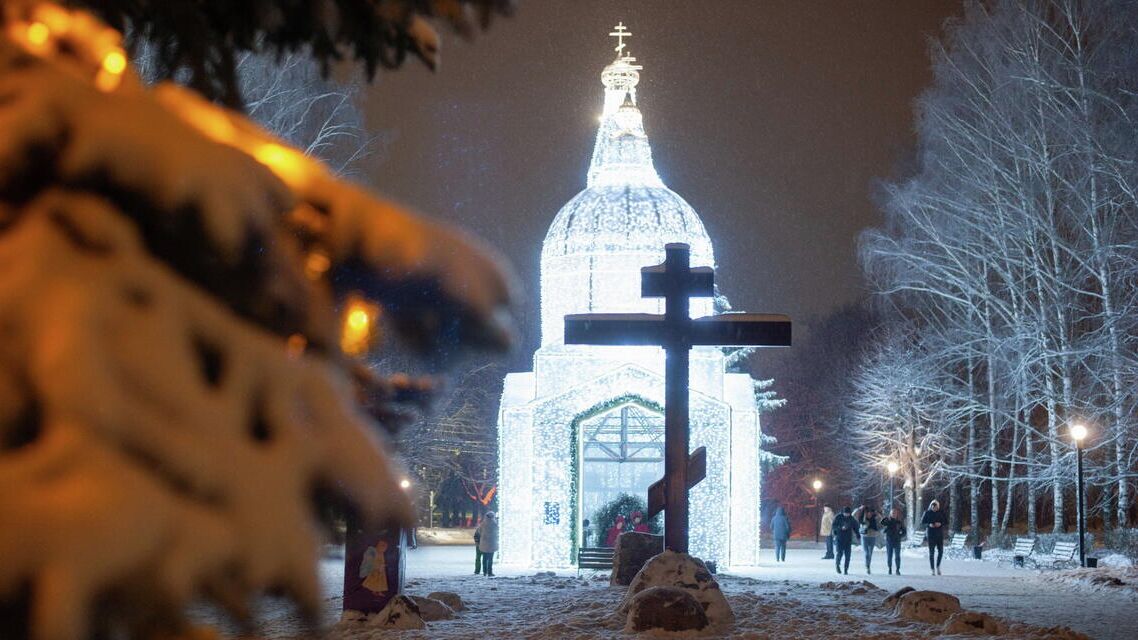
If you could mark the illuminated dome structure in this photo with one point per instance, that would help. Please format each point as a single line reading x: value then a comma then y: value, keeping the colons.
x: 587, y: 423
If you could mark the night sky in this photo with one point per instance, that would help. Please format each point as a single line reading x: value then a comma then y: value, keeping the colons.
x: 775, y: 120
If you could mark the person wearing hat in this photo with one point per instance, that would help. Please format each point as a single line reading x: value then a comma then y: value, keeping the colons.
x: 638, y: 524
x: 614, y: 531
x: 487, y: 534
x: 936, y: 522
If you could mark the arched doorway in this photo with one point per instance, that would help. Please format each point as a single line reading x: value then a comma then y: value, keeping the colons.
x: 620, y: 449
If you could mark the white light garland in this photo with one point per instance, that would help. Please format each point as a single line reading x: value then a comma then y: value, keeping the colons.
x: 591, y: 263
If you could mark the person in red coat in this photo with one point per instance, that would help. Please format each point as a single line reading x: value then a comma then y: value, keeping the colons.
x: 638, y: 523
x: 614, y: 532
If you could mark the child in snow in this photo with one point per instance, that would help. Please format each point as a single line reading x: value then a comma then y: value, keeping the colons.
x: 936, y: 522
x: 894, y: 529
x: 845, y: 529
x: 780, y: 528
x: 488, y: 541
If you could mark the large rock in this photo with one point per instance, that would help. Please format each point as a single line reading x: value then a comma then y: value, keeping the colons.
x: 633, y: 549
x: 892, y: 599
x: 974, y: 622
x: 400, y: 613
x: 449, y: 598
x: 431, y: 609
x: 680, y: 570
x: 933, y: 607
x: 666, y: 608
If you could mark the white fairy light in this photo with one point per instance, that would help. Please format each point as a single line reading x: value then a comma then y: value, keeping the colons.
x: 590, y: 263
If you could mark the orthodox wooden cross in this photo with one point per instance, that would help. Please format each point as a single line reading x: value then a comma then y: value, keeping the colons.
x: 676, y: 281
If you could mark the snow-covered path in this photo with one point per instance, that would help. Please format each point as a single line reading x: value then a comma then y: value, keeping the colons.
x: 785, y: 600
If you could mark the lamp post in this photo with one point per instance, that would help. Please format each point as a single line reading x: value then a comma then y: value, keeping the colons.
x: 893, y: 467
x: 1078, y: 434
x: 817, y: 484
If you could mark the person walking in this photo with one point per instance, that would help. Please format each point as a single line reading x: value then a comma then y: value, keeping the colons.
x: 935, y: 520
x: 894, y: 529
x: 826, y: 530
x: 869, y: 528
x: 780, y: 529
x: 488, y: 541
x: 844, y: 530
x: 477, y: 551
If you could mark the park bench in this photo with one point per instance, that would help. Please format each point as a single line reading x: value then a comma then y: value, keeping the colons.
x: 1024, y: 547
x: 1062, y: 554
x: 596, y: 558
x: 917, y: 539
x: 956, y: 544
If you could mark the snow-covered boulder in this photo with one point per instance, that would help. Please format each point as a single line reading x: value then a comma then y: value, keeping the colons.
x: 665, y: 608
x: 891, y: 600
x: 431, y: 609
x: 449, y: 598
x: 680, y: 570
x: 974, y: 622
x: 632, y: 550
x: 401, y: 612
x: 933, y: 607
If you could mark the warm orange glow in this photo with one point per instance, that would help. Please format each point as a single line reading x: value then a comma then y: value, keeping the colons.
x: 358, y: 330
x: 114, y: 62
x: 38, y: 33
x: 316, y: 264
x: 288, y: 164
x: 296, y: 345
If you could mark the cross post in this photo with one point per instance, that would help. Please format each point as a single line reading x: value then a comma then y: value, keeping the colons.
x: 677, y: 282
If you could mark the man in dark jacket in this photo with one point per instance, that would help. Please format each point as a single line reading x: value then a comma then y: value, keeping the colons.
x: 894, y: 529
x: 844, y: 530
x: 936, y: 522
x: 780, y: 531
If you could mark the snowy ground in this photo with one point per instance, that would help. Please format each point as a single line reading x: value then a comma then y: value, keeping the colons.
x: 770, y: 601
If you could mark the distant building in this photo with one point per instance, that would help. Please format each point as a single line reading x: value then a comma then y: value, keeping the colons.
x: 587, y: 424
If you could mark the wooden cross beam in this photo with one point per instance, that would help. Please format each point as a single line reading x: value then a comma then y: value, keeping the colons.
x: 677, y: 282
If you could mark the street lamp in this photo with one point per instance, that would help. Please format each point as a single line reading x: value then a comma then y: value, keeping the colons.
x: 1078, y: 434
x: 893, y: 467
x: 817, y: 484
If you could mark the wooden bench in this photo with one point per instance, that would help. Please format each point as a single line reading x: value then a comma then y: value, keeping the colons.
x: 1062, y: 554
x: 1024, y: 547
x: 917, y: 539
x: 596, y: 558
x: 956, y: 545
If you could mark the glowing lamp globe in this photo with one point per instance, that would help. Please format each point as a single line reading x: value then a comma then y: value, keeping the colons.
x: 1078, y: 432
x: 893, y: 467
x: 817, y: 485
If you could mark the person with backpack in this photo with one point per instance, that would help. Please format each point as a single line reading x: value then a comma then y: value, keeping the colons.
x: 936, y: 522
x: 845, y: 529
x: 894, y: 529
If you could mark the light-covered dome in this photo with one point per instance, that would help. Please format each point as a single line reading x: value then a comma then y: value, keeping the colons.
x: 620, y: 222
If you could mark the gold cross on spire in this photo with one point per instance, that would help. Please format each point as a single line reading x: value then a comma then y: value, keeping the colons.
x: 620, y: 33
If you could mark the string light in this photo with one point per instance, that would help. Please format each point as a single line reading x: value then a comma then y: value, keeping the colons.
x: 358, y: 330
x: 591, y: 261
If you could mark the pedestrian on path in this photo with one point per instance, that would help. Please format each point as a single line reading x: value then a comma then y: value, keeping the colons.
x: 488, y: 541
x: 936, y: 522
x: 477, y: 551
x: 869, y: 528
x: 780, y: 529
x: 845, y: 529
x: 894, y: 529
x: 826, y: 530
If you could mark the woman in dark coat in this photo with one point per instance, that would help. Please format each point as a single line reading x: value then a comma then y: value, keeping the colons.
x: 780, y: 528
x: 936, y: 522
x: 894, y: 529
